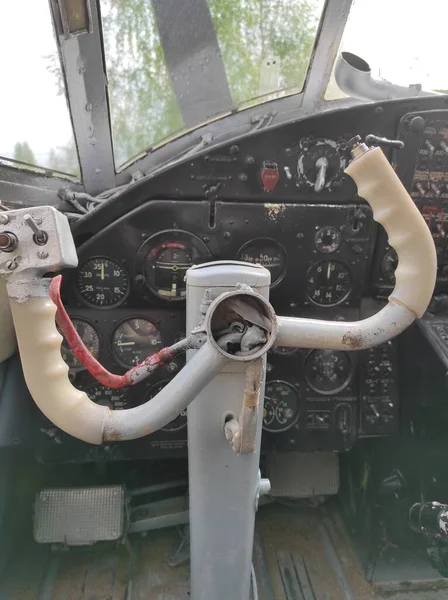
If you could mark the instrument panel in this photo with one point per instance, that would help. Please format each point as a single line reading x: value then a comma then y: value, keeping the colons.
x: 279, y: 198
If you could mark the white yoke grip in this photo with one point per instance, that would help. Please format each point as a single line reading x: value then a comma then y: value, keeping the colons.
x: 407, y: 231
x: 415, y: 275
x: 45, y: 372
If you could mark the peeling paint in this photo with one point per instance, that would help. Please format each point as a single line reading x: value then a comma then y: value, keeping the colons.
x: 274, y: 211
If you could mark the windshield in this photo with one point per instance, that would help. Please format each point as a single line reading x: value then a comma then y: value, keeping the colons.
x: 35, y: 125
x: 403, y: 42
x: 264, y: 47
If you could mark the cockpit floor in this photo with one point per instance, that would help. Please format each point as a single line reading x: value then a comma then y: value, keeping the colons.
x: 299, y: 554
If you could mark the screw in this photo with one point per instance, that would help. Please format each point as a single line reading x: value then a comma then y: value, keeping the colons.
x: 172, y: 367
x: 12, y: 264
x: 4, y: 219
x: 42, y: 254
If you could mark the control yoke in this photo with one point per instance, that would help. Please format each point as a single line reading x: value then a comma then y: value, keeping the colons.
x: 239, y: 325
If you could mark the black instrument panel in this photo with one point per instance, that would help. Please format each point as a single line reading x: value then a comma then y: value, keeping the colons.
x: 279, y: 198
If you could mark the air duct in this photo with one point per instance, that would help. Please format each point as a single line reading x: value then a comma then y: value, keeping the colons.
x: 354, y: 77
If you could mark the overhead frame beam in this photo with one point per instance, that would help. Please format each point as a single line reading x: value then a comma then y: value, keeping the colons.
x: 84, y: 70
x: 193, y: 59
x: 328, y: 40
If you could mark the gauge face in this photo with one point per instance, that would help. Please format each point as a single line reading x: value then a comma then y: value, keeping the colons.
x: 113, y: 399
x: 268, y: 253
x: 320, y: 163
x: 328, y: 371
x: 328, y: 283
x: 389, y: 263
x: 179, y: 422
x: 134, y: 340
x: 327, y: 239
x: 102, y: 282
x: 91, y: 339
x: 165, y: 258
x: 281, y: 406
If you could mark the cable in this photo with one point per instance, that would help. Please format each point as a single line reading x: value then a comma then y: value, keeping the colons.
x: 95, y: 368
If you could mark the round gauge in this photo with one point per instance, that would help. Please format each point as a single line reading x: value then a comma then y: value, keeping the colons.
x: 281, y: 406
x: 328, y: 283
x: 134, y: 340
x: 388, y: 265
x: 328, y: 371
x: 113, y: 399
x: 320, y: 163
x: 268, y: 253
x: 327, y: 239
x: 165, y: 258
x: 102, y: 282
x: 91, y: 339
x: 179, y: 422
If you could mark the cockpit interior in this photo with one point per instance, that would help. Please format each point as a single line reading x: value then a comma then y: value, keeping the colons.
x: 223, y: 300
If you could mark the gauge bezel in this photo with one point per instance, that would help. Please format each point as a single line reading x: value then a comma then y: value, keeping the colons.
x: 296, y: 391
x: 336, y: 390
x: 98, y: 306
x: 327, y: 252
x: 120, y: 390
x: 350, y: 275
x: 152, y: 242
x: 271, y: 241
x: 100, y: 340
x: 163, y: 383
x: 125, y: 320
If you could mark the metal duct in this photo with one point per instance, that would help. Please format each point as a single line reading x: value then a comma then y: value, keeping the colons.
x: 354, y: 77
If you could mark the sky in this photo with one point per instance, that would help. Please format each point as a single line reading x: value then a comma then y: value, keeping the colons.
x: 30, y: 109
x: 403, y: 40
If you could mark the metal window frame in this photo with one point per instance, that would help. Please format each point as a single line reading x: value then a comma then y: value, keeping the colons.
x: 84, y: 71
x: 328, y: 40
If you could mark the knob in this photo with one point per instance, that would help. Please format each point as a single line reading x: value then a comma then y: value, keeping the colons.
x: 417, y: 125
x: 374, y: 409
x: 430, y: 147
x: 420, y: 189
x: 435, y: 188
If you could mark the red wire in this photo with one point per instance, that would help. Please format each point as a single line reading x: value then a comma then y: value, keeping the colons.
x: 79, y: 349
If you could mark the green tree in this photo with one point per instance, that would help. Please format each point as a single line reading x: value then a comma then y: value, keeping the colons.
x: 266, y: 46
x: 64, y: 159
x: 253, y: 35
x: 23, y: 152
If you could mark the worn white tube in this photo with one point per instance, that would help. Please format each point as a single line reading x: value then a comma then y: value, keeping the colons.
x: 415, y: 275
x: 70, y: 409
x: 342, y: 335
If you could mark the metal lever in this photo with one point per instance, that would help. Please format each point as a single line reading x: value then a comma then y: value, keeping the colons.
x: 40, y: 236
x: 381, y: 141
x: 322, y: 166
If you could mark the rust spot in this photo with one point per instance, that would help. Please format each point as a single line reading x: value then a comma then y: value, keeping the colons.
x: 353, y: 341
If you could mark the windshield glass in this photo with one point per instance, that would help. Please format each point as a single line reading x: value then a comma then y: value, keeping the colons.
x: 35, y: 125
x: 265, y: 45
x: 403, y: 42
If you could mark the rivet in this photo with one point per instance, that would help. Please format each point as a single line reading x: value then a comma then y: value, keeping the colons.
x: 4, y: 219
x: 42, y: 254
